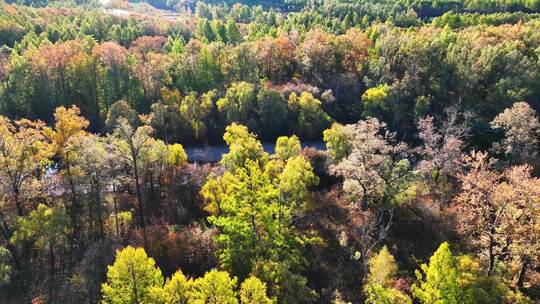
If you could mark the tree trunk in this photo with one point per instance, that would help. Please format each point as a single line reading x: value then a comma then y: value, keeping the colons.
x: 74, y: 209
x: 522, y: 272
x: 52, y: 262
x: 491, y: 254
x: 16, y: 196
x: 115, y: 212
x: 99, y: 215
x: 140, y: 202
x: 6, y: 232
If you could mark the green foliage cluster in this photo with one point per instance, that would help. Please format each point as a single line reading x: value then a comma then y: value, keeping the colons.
x: 134, y: 278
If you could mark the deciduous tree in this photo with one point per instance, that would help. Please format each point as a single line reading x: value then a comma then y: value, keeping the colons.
x: 131, y: 278
x: 521, y: 133
x: 216, y: 287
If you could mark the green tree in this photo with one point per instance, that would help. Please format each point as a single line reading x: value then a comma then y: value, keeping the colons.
x: 295, y: 180
x: 438, y: 280
x: 310, y: 119
x: 238, y: 103
x: 253, y: 291
x: 249, y: 229
x: 379, y: 284
x: 287, y: 147
x: 48, y: 229
x: 178, y: 289
x: 195, y: 112
x: 337, y: 141
x: 205, y: 31
x: 271, y: 109
x: 131, y: 278
x: 216, y: 287
x: 243, y: 146
x: 284, y: 285
x: 120, y: 109
x: 6, y: 266
x: 254, y: 205
x: 233, y: 33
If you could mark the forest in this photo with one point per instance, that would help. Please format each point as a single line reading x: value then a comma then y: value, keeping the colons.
x: 404, y: 159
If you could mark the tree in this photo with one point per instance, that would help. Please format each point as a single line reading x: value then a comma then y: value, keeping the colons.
x: 253, y: 290
x: 238, y: 103
x: 460, y: 279
x: 24, y: 154
x: 375, y: 99
x: 178, y: 289
x: 242, y: 64
x: 176, y: 155
x: 316, y: 57
x: 271, y: 110
x: 310, y: 120
x: 476, y: 287
x: 254, y: 207
x: 520, y: 192
x: 243, y: 146
x: 113, y: 58
x: 151, y: 71
x: 377, y: 178
x: 382, y: 268
x: 131, y: 278
x: 196, y: 111
x: 480, y: 213
x: 438, y: 281
x: 287, y: 147
x: 120, y: 109
x: 233, y: 33
x: 247, y: 218
x: 521, y: 133
x: 50, y: 64
x: 216, y: 287
x: 276, y: 57
x: 48, y: 229
x: 294, y: 182
x: 98, y: 168
x: 442, y: 146
x: 68, y: 128
x: 284, y: 285
x: 379, y: 284
x: 6, y: 266
x: 205, y: 31
x: 337, y: 142
x: 377, y: 171
x: 133, y: 146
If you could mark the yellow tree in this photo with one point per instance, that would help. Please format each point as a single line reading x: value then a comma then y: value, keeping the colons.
x: 24, y: 154
x: 132, y: 278
x: 69, y: 127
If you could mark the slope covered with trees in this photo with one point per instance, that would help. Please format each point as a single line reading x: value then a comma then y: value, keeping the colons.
x: 428, y: 190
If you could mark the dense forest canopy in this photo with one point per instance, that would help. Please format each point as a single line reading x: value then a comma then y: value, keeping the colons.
x: 428, y: 190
